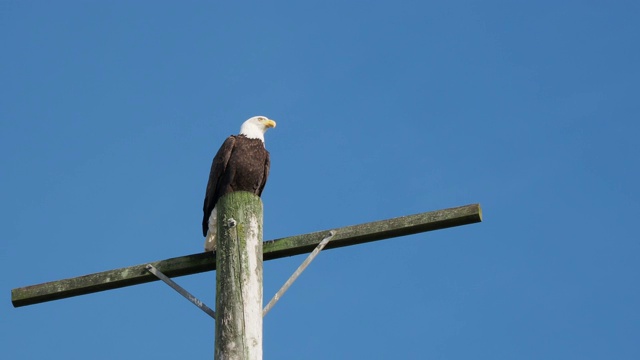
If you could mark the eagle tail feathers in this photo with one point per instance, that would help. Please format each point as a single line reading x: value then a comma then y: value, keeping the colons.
x: 210, y: 239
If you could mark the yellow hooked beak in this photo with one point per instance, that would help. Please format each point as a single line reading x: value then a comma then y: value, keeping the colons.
x: 269, y: 123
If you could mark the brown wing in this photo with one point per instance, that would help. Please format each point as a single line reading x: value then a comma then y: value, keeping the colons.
x: 218, y: 168
x: 267, y: 165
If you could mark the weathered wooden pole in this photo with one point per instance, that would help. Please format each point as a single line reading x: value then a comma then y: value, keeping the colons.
x: 238, y: 333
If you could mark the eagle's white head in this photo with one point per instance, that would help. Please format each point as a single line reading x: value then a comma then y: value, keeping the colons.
x: 255, y: 127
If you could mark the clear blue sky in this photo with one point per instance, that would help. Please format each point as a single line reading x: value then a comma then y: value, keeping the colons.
x: 111, y: 112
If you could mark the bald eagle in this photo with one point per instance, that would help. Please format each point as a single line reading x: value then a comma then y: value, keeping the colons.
x: 241, y: 164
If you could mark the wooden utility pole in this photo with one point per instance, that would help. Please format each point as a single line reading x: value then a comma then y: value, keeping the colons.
x: 239, y: 277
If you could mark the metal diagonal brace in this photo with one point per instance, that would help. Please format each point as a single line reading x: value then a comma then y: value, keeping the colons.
x: 180, y: 290
x: 298, y: 271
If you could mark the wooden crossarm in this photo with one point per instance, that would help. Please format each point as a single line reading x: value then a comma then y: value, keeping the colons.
x: 273, y: 249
